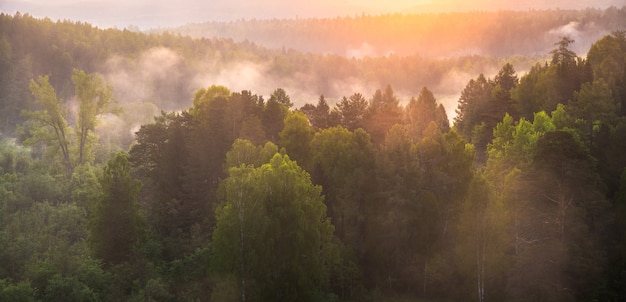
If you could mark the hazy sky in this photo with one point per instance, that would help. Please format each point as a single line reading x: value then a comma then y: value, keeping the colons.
x: 165, y: 13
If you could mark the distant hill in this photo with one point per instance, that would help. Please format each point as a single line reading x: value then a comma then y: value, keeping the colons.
x: 498, y: 33
x: 147, y: 14
x: 520, y: 5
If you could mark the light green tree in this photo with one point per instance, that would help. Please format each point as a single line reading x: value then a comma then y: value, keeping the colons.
x: 95, y: 99
x: 296, y: 138
x: 52, y: 126
x: 272, y: 233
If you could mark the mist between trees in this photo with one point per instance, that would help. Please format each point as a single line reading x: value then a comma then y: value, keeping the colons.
x: 125, y: 175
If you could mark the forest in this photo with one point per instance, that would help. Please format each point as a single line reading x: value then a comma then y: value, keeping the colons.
x: 498, y: 33
x: 139, y: 167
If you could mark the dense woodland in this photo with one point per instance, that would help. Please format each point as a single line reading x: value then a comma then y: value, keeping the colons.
x: 498, y: 33
x: 220, y: 195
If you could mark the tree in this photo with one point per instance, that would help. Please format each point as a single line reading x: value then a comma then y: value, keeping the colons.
x: 533, y: 91
x: 320, y: 116
x: 280, y: 96
x: 209, y: 138
x: 53, y: 125
x: 19, y: 292
x: 344, y: 166
x: 400, y: 209
x: 273, y: 233
x: 618, y: 253
x: 562, y: 224
x: 245, y: 153
x: 95, y: 99
x: 562, y: 54
x: 481, y: 249
x: 273, y: 118
x: 8, y: 99
x: 506, y: 77
x: 473, y: 119
x: 568, y: 72
x: 594, y: 104
x: 502, y: 103
x: 353, y: 111
x: 296, y: 138
x: 607, y: 58
x: 246, y: 110
x: 383, y: 113
x: 483, y: 103
x: 424, y: 110
x: 116, y: 227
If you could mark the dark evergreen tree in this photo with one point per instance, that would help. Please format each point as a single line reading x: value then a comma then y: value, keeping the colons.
x: 353, y: 111
x: 384, y: 112
x: 117, y: 228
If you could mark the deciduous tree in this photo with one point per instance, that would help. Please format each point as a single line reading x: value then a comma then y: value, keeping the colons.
x: 273, y: 233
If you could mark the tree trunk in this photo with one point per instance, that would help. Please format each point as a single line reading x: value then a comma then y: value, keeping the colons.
x: 241, y: 246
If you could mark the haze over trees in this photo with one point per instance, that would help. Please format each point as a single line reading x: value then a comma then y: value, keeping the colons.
x: 110, y: 192
x: 499, y: 33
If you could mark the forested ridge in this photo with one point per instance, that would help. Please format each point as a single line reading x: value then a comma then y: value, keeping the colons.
x: 141, y: 67
x: 228, y: 195
x: 496, y: 33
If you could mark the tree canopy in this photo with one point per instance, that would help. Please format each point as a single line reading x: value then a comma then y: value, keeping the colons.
x: 364, y: 195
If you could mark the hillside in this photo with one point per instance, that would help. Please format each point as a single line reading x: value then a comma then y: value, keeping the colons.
x: 452, y: 34
x: 161, y: 167
x: 166, y: 69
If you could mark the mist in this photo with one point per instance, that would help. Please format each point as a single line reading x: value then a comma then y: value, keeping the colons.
x: 165, y: 77
x: 583, y: 34
x: 161, y: 78
x: 494, y: 33
x: 513, y: 203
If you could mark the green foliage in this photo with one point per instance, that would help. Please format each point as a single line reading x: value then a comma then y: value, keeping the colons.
x: 46, y: 248
x: 424, y: 110
x: 353, y: 111
x: 272, y: 119
x: 273, y: 233
x: 245, y: 153
x: 84, y: 186
x: 95, y: 98
x: 296, y: 137
x: 607, y: 58
x: 52, y: 128
x: 473, y: 98
x: 616, y: 257
x: 344, y: 164
x: 562, y: 55
x: 481, y: 250
x: 320, y: 116
x: 483, y: 103
x: 594, y: 104
x: 384, y: 111
x: 532, y: 91
x: 117, y: 227
x: 20, y: 292
x: 567, y: 198
x: 413, y: 217
x: 280, y: 96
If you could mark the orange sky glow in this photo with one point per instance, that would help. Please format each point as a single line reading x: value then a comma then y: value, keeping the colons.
x: 164, y: 13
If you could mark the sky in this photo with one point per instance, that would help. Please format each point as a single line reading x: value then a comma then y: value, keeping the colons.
x: 147, y: 14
